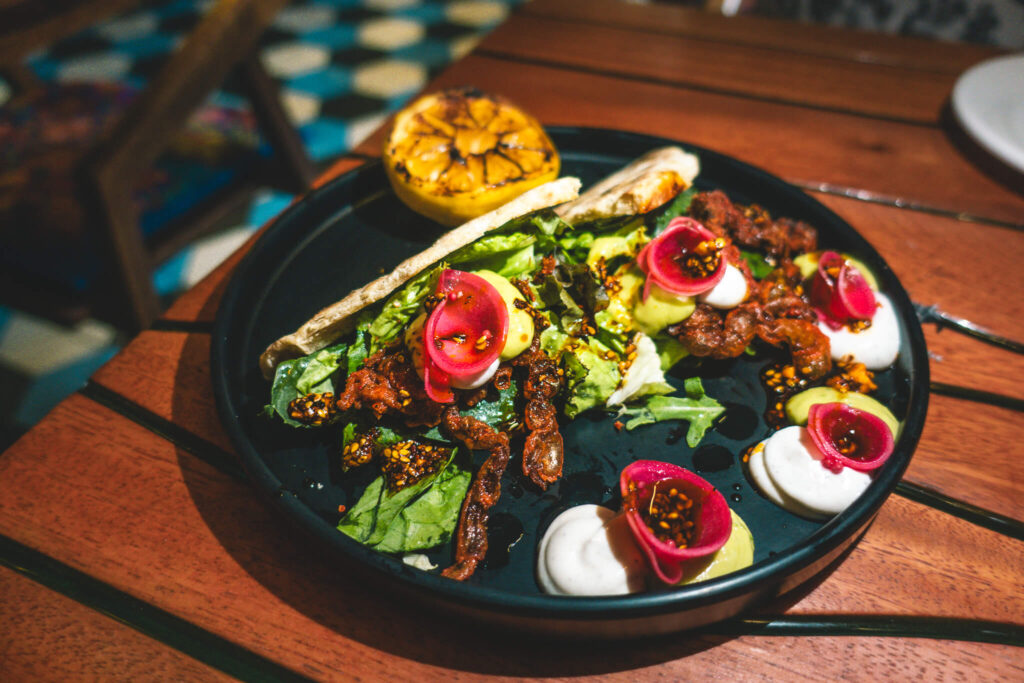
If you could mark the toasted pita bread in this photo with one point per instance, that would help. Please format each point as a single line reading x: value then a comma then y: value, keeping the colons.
x: 335, y: 320
x: 639, y: 187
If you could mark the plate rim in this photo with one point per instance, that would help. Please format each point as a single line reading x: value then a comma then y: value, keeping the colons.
x: 827, y: 538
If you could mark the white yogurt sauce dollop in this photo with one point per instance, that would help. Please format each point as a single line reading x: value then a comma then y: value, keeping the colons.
x: 877, y: 346
x: 802, y: 484
x: 589, y: 550
x: 730, y: 291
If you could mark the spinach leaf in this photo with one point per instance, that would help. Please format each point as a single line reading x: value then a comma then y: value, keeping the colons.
x: 499, y: 413
x: 698, y: 408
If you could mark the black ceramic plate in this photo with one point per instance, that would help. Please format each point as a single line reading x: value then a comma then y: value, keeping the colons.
x: 346, y: 233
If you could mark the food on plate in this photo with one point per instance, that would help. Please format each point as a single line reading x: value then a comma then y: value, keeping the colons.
x: 556, y: 304
x: 589, y: 550
x: 456, y: 154
x: 594, y: 550
x: 675, y: 515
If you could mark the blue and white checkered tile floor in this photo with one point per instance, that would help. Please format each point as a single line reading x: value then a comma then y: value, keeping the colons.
x: 342, y: 65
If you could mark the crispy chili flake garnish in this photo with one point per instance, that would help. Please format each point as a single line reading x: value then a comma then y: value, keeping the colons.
x: 523, y: 285
x: 431, y: 302
x: 359, y: 450
x: 407, y: 462
x: 704, y: 258
x: 618, y: 426
x: 781, y: 381
x: 852, y: 377
x: 313, y: 409
x: 668, y: 515
x: 540, y: 322
x: 341, y: 509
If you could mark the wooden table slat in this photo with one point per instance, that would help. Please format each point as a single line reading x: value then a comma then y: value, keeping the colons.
x: 80, y: 642
x: 211, y: 553
x: 742, y: 70
x: 870, y: 47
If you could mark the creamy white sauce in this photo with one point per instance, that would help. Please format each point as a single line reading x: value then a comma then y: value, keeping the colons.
x: 589, y: 550
x: 478, y: 380
x: 877, y: 346
x: 764, y: 482
x: 793, y: 463
x: 730, y: 291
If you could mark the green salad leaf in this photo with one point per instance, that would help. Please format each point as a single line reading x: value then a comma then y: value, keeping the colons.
x: 590, y: 376
x: 697, y: 407
x: 415, y: 518
x: 677, y: 207
x: 401, y: 306
x: 300, y: 376
x: 759, y: 264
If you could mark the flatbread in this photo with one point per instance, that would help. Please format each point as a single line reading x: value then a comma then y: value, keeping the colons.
x: 642, y: 185
x: 337, y: 319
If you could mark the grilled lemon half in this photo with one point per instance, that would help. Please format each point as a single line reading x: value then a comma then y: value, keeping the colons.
x: 456, y: 154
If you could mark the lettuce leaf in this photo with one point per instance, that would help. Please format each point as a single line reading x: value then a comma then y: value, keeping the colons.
x: 697, y: 407
x: 590, y: 377
x: 401, y: 306
x: 300, y: 376
x: 415, y: 518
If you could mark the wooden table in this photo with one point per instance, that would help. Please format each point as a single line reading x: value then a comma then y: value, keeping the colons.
x: 134, y: 548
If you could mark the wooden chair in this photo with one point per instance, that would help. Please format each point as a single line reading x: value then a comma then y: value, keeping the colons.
x: 225, y: 39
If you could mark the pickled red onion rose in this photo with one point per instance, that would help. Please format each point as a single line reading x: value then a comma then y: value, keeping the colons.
x: 840, y: 291
x: 464, y: 333
x: 686, y: 259
x: 849, y: 437
x: 652, y: 492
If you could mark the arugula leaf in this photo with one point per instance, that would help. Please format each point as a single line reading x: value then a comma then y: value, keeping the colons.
x: 698, y: 408
x: 399, y: 522
x: 677, y: 207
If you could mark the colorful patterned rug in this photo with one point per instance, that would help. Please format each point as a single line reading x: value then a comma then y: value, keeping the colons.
x: 342, y: 65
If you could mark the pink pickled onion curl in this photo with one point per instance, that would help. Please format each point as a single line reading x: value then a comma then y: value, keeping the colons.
x: 640, y: 482
x: 843, y: 298
x: 661, y: 259
x: 464, y: 333
x: 849, y: 437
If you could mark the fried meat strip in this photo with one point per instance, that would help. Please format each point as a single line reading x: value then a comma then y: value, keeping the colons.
x: 707, y: 333
x: 775, y: 313
x: 751, y: 226
x: 388, y: 383
x: 809, y: 346
x: 471, y: 541
x: 543, y: 450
